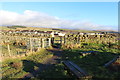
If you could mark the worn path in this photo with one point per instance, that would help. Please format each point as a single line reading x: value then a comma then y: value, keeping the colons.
x: 56, y: 59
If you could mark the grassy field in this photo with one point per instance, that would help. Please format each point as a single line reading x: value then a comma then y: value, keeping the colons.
x: 93, y: 64
x: 17, y: 68
x: 14, y: 50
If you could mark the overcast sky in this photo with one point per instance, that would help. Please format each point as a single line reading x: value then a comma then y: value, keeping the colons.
x: 71, y: 15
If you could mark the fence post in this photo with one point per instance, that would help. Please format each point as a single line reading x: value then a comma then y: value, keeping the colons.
x: 64, y: 40
x: 49, y: 41
x: 30, y: 45
x: 8, y: 49
x: 52, y: 41
x: 78, y: 39
x: 60, y: 39
x: 43, y: 45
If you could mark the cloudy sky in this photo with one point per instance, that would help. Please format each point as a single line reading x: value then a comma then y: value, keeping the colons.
x: 71, y: 15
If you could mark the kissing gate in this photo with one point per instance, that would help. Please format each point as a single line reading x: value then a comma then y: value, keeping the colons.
x: 60, y: 40
x: 36, y: 43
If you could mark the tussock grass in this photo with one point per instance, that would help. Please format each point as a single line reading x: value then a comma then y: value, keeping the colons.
x: 17, y: 68
x: 94, y: 64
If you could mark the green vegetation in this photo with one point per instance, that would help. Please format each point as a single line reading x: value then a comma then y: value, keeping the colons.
x: 56, y: 71
x: 14, y: 50
x: 17, y: 68
x: 94, y: 63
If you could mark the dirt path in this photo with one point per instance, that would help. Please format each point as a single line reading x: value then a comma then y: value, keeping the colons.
x: 57, y: 54
x: 56, y: 59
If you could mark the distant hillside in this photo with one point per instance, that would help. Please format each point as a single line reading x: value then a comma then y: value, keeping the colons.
x: 24, y: 28
x: 16, y: 27
x: 109, y: 31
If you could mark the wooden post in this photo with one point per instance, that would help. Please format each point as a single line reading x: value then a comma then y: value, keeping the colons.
x: 43, y: 45
x: 49, y: 41
x: 78, y: 40
x: 39, y: 44
x: 60, y: 39
x: 9, y: 49
x: 52, y: 41
x: 30, y: 45
x: 64, y: 40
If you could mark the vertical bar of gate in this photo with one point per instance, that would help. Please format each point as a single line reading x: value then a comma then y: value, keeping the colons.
x: 49, y: 42
x: 43, y: 43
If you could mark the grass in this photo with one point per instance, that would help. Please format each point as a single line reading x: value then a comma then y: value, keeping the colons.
x: 37, y: 58
x: 41, y: 56
x: 13, y: 50
x: 102, y: 47
x: 56, y: 71
x: 94, y: 64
